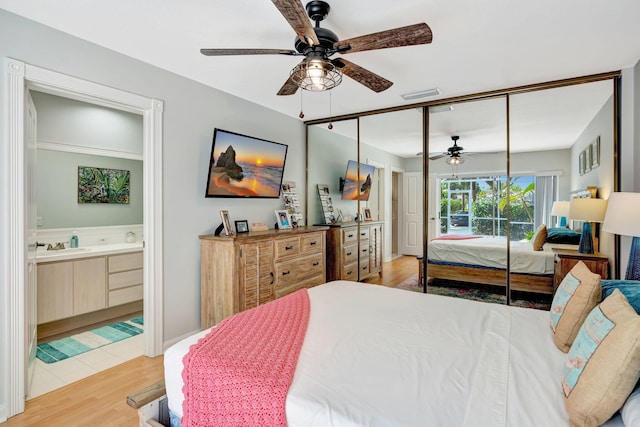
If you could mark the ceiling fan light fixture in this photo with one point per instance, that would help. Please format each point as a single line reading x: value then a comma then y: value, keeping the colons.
x: 316, y: 75
x: 454, y: 160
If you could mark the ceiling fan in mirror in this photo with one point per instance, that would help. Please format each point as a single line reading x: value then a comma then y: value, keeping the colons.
x: 318, y: 71
x: 454, y: 154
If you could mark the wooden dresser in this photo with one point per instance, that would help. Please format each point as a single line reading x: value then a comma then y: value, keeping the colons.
x: 245, y: 270
x: 348, y: 260
x: 565, y: 259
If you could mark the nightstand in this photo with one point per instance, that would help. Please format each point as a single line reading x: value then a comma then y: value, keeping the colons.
x: 565, y: 259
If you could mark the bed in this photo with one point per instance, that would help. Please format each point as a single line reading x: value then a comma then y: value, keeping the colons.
x: 483, y: 260
x: 377, y: 356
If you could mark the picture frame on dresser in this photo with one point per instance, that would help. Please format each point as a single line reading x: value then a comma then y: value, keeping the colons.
x: 366, y: 212
x: 283, y: 219
x: 226, y: 222
x: 242, y: 226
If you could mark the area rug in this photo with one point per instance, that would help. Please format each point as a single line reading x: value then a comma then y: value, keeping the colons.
x: 475, y: 292
x: 64, y: 348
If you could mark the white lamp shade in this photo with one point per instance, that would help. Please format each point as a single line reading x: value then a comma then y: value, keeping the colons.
x: 587, y: 209
x: 560, y: 208
x: 622, y: 214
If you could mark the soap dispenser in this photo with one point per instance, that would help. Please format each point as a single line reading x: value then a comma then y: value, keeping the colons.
x: 74, y: 240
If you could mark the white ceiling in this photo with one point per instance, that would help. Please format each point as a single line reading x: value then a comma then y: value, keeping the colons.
x: 477, y: 46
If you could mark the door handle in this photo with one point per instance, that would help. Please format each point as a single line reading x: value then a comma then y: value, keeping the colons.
x: 272, y: 277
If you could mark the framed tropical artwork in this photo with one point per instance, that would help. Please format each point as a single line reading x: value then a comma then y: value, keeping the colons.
x: 101, y: 185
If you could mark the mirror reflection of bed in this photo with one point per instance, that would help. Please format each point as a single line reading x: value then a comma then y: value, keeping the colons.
x: 544, y: 147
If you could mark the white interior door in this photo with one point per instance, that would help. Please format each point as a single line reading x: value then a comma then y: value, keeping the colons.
x: 31, y: 282
x: 412, y: 196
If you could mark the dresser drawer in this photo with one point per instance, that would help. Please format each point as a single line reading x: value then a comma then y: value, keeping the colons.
x: 294, y: 271
x: 309, y: 283
x: 286, y: 248
x: 364, y: 233
x: 349, y: 254
x: 350, y: 272
x: 364, y: 250
x: 349, y: 235
x: 312, y: 243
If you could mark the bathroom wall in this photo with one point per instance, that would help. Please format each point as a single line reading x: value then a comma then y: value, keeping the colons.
x: 57, y: 198
x: 73, y: 133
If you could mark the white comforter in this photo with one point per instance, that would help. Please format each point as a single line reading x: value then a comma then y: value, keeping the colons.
x: 492, y: 252
x: 377, y: 356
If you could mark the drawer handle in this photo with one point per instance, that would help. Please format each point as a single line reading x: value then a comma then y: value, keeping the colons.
x: 272, y: 277
x: 350, y: 235
x: 363, y: 234
x: 313, y: 243
x: 349, y: 272
x: 284, y: 273
x: 288, y: 248
x: 315, y: 263
x: 365, y: 250
x: 364, y: 268
x: 349, y: 253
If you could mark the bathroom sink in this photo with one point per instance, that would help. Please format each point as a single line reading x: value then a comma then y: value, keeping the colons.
x: 43, y: 253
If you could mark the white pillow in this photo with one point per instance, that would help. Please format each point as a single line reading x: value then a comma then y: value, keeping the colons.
x: 631, y: 410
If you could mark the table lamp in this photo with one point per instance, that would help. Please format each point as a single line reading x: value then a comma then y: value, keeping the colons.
x: 588, y: 210
x: 561, y: 210
x: 622, y: 218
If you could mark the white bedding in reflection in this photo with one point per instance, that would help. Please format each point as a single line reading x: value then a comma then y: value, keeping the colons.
x: 492, y: 252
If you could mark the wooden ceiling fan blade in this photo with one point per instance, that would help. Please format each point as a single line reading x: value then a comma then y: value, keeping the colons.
x: 437, y: 156
x: 296, y: 16
x: 397, y: 37
x: 289, y: 87
x: 225, y: 52
x: 363, y: 76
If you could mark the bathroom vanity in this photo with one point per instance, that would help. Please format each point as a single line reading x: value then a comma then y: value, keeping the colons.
x: 82, y: 286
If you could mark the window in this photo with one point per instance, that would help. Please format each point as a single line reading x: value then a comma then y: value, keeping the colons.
x: 478, y: 206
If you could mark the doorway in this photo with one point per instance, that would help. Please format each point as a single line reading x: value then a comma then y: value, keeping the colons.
x: 395, y: 209
x: 19, y: 78
x: 106, y: 289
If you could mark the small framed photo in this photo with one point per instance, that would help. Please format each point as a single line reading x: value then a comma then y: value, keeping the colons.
x: 242, y: 226
x: 226, y: 222
x: 581, y: 159
x: 284, y: 219
x: 595, y: 153
x: 367, y: 214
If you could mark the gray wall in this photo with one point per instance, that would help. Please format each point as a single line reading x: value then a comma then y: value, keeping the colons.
x: 57, y: 196
x: 70, y: 122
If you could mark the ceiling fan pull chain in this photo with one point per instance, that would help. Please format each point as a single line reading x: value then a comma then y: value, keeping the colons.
x: 330, y: 124
x: 301, y: 115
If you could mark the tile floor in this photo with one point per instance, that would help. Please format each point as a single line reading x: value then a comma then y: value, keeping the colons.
x: 48, y: 377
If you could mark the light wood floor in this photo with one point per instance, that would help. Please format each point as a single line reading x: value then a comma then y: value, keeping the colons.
x: 99, y: 400
x: 396, y: 271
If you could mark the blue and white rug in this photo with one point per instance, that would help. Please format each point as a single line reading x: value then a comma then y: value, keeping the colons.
x: 67, y: 347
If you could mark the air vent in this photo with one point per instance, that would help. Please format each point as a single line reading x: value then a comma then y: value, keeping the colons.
x: 441, y: 108
x: 422, y: 94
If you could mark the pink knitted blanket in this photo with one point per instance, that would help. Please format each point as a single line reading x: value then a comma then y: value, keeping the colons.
x: 239, y: 374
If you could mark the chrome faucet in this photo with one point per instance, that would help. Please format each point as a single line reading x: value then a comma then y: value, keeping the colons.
x: 58, y: 246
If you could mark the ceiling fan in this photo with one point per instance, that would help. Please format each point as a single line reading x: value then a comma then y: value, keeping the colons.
x: 454, y: 152
x: 317, y: 72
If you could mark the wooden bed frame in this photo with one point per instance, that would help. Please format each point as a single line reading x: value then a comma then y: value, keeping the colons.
x: 488, y: 276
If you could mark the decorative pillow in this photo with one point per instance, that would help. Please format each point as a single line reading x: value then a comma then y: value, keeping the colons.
x: 631, y: 410
x: 576, y: 296
x: 603, y: 364
x: 562, y: 235
x: 538, y: 237
x: 629, y: 288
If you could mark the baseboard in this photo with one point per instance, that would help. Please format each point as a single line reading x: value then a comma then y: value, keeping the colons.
x: 64, y: 325
x: 173, y: 341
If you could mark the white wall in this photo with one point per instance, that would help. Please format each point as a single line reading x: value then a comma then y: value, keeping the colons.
x: 191, y: 112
